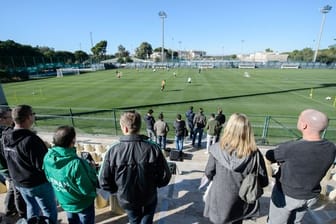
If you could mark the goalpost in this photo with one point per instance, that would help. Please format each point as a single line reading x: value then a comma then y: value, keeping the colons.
x: 62, y: 71
x: 290, y: 66
x: 206, y: 66
x: 246, y: 65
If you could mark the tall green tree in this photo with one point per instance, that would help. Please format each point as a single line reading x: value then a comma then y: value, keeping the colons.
x: 144, y: 51
x: 167, y: 52
x: 123, y: 55
x: 99, y: 50
x: 305, y: 55
x: 80, y: 56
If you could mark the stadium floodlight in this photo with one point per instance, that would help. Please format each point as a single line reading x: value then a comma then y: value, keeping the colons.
x: 324, y: 11
x: 162, y: 15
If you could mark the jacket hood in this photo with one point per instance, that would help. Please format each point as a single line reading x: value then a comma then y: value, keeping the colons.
x: 12, y: 137
x: 58, y: 157
x: 231, y: 162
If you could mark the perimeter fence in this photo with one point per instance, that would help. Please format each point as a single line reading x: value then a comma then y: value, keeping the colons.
x: 269, y: 130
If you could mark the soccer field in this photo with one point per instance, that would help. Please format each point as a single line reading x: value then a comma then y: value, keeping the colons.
x: 263, y: 92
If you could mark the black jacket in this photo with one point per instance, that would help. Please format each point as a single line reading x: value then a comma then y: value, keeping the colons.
x: 149, y: 121
x: 134, y: 168
x: 3, y: 163
x: 24, y: 152
x: 180, y: 127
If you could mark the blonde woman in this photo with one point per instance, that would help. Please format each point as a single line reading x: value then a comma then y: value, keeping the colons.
x: 229, y: 161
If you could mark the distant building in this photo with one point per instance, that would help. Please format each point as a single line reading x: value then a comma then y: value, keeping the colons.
x: 263, y: 57
x: 192, y: 54
x: 197, y: 54
x: 156, y: 55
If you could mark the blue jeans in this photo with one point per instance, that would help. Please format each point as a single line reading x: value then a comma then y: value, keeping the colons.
x: 198, y: 131
x: 191, y: 129
x: 285, y: 209
x: 179, y: 142
x: 161, y: 140
x: 40, y: 199
x: 86, y: 216
x: 142, y: 215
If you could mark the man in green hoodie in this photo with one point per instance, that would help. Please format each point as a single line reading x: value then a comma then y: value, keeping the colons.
x: 73, y: 179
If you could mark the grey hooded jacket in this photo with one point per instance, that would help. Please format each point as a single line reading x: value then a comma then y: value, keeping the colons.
x: 227, y: 172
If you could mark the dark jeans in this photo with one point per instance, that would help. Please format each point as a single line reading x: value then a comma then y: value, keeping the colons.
x: 14, y: 201
x: 161, y: 140
x: 191, y: 130
x: 86, y: 216
x: 198, y: 131
x: 142, y: 215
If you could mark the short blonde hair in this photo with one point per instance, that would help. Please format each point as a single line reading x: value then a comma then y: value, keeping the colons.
x: 131, y: 120
x: 238, y: 136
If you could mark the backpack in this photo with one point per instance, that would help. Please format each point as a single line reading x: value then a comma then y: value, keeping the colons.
x: 200, y: 121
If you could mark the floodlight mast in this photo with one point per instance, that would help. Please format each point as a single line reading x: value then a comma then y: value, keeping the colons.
x: 162, y: 15
x: 324, y: 11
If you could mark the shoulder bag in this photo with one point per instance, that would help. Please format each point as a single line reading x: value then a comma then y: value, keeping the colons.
x: 250, y: 189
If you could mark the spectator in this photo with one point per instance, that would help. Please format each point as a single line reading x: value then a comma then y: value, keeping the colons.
x: 73, y: 179
x: 24, y: 152
x: 14, y: 203
x: 190, y: 120
x: 228, y: 160
x: 212, y: 128
x: 303, y: 164
x: 199, y: 124
x: 134, y: 168
x: 220, y: 117
x: 150, y: 121
x: 180, y: 129
x: 161, y: 130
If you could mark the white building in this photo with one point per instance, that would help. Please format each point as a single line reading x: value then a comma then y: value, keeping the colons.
x: 192, y: 54
x: 263, y: 57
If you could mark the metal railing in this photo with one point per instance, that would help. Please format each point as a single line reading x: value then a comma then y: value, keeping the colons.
x: 269, y: 130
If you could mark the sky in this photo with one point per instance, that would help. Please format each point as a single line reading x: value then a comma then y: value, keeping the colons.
x: 218, y: 27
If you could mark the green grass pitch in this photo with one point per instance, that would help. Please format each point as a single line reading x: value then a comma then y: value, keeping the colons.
x: 275, y: 92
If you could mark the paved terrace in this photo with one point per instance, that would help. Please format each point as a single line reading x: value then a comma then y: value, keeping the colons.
x: 181, y: 201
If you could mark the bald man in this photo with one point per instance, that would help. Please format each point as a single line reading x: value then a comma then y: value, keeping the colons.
x: 303, y: 164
